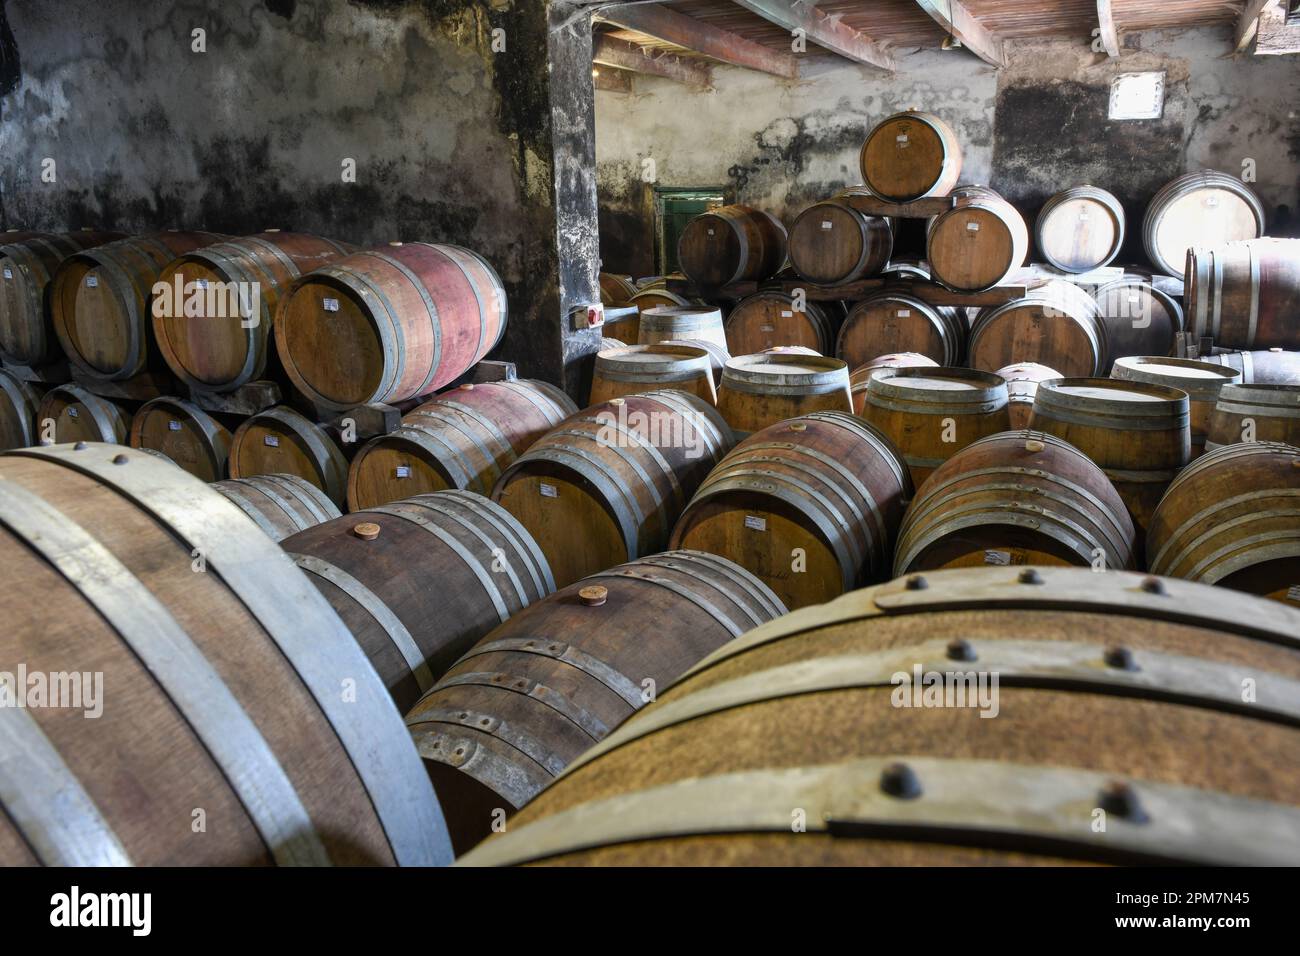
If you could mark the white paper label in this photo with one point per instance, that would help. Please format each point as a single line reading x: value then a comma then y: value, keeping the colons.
x: 1293, y: 593
x: 710, y: 232
x: 904, y: 313
x: 92, y: 282
x: 827, y: 224
x: 972, y: 227
x: 549, y: 491
x: 403, y: 471
x: 330, y: 305
x: 173, y: 426
x: 73, y: 413
x: 901, y: 139
x: 755, y: 523
x: 272, y: 441
x: 9, y: 273
x: 997, y: 557
x: 787, y: 315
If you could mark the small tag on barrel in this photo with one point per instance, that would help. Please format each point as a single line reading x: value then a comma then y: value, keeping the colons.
x: 9, y: 274
x: 755, y: 523
x: 73, y: 413
x: 549, y: 491
x: 1293, y: 593
x: 330, y: 305
x: 173, y: 426
x: 271, y: 440
x: 402, y: 471
x: 827, y: 224
x: 92, y: 282
x: 997, y: 557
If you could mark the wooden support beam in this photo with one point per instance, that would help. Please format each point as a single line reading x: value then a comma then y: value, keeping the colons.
x: 670, y: 26
x: 826, y: 30
x: 1248, y: 23
x: 1106, y: 21
x: 960, y: 23
x: 610, y: 80
x: 608, y: 51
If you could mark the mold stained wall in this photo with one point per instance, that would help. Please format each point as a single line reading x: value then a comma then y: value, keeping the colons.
x: 1029, y: 130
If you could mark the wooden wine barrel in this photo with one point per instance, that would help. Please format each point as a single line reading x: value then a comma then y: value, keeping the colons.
x: 657, y: 296
x: 1023, y: 380
x: 666, y: 322
x: 977, y: 244
x: 1139, y: 319
x: 1120, y: 700
x: 1271, y: 367
x: 1138, y: 433
x: 731, y: 244
x: 859, y: 376
x: 1232, y: 518
x: 100, y: 298
x: 761, y: 390
x: 228, y: 691
x: 643, y: 368
x: 557, y: 678
x: 280, y: 441
x: 464, y: 438
x: 892, y: 322
x: 18, y: 404
x: 616, y: 289
x: 910, y: 155
x: 280, y: 505
x: 718, y: 354
x: 1246, y: 295
x: 1057, y: 325
x: 390, y: 324
x: 70, y: 413
x: 1202, y: 381
x: 1080, y: 229
x: 831, y: 243
x: 419, y: 581
x: 185, y: 433
x: 1207, y: 208
x: 27, y: 267
x: 223, y: 341
x: 931, y: 414
x: 810, y: 506
x: 1016, y: 498
x: 1255, y: 413
x: 769, y: 319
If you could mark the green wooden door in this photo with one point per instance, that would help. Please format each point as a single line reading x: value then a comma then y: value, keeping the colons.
x: 677, y: 208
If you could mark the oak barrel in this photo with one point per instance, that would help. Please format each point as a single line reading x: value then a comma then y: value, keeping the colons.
x: 1271, y: 367
x: 978, y: 243
x: 1255, y: 413
x: 910, y: 155
x: 1202, y: 381
x: 1080, y: 229
x: 71, y: 413
x: 731, y: 244
x: 185, y: 433
x: 718, y: 354
x: 281, y: 441
x: 1205, y: 208
x: 280, y: 505
x: 640, y: 368
x: 831, y: 243
x: 770, y: 319
x: 616, y: 289
x: 761, y: 390
x: 859, y: 377
x: 1138, y: 318
x: 891, y: 322
x: 667, y: 322
x: 1022, y: 380
x: 1057, y: 325
x: 1246, y: 295
x: 18, y: 404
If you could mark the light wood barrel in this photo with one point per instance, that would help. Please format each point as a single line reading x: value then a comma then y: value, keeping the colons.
x: 79, y: 415
x: 19, y: 402
x: 280, y: 441
x: 1232, y: 518
x: 1023, y: 380
x: 464, y: 438
x: 802, y: 721
x: 185, y: 433
x: 931, y: 414
x: 731, y: 244
x: 1016, y: 498
x: 761, y: 390
x: 1255, y: 413
x: 27, y: 268
x: 557, y: 678
x: 280, y: 505
x: 831, y: 243
x: 607, y: 484
x: 767, y: 320
x: 1080, y: 229
x: 223, y: 342
x: 616, y: 289
x: 859, y: 377
x: 891, y: 322
x: 1138, y: 433
x: 1246, y: 295
x: 977, y: 244
x: 1139, y: 319
x: 389, y: 324
x: 100, y: 297
x: 910, y: 155
x: 1057, y: 325
x: 227, y: 691
x: 419, y: 581
x: 811, y: 506
x: 1271, y: 367
x: 642, y: 368
x: 666, y: 322
x: 718, y: 354
x: 1206, y: 208
x: 1202, y: 381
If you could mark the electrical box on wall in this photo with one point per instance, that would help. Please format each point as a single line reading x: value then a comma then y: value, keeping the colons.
x: 590, y: 316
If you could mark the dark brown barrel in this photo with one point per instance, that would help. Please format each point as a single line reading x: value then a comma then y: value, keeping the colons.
x: 977, y: 244
x: 418, y: 582
x: 1057, y: 325
x: 770, y: 319
x: 731, y: 244
x: 616, y: 289
x: 1246, y: 295
x: 70, y: 413
x: 18, y: 404
x: 1255, y: 413
x: 280, y: 505
x: 859, y: 377
x: 1139, y: 319
x: 185, y: 433
x: 1016, y: 498
x: 891, y: 322
x: 641, y: 368
x: 832, y: 243
x: 1232, y: 518
x: 761, y: 390
x: 910, y: 155
x: 1202, y: 381
x: 1272, y: 367
x: 666, y: 322
x: 1023, y: 380
x: 811, y: 506
x: 1206, y: 208
x: 280, y: 441
x: 464, y: 438
x: 608, y: 483
x: 100, y: 297
x: 27, y: 268
x: 389, y: 324
x: 812, y: 741
x: 1080, y: 229
x: 234, y: 698
x: 556, y: 679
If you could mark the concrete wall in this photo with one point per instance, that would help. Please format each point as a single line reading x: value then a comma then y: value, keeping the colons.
x: 1029, y: 130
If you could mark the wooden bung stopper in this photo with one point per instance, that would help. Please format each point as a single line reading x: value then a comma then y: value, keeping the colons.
x: 1033, y: 444
x: 798, y: 426
x: 366, y: 530
x: 593, y: 596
